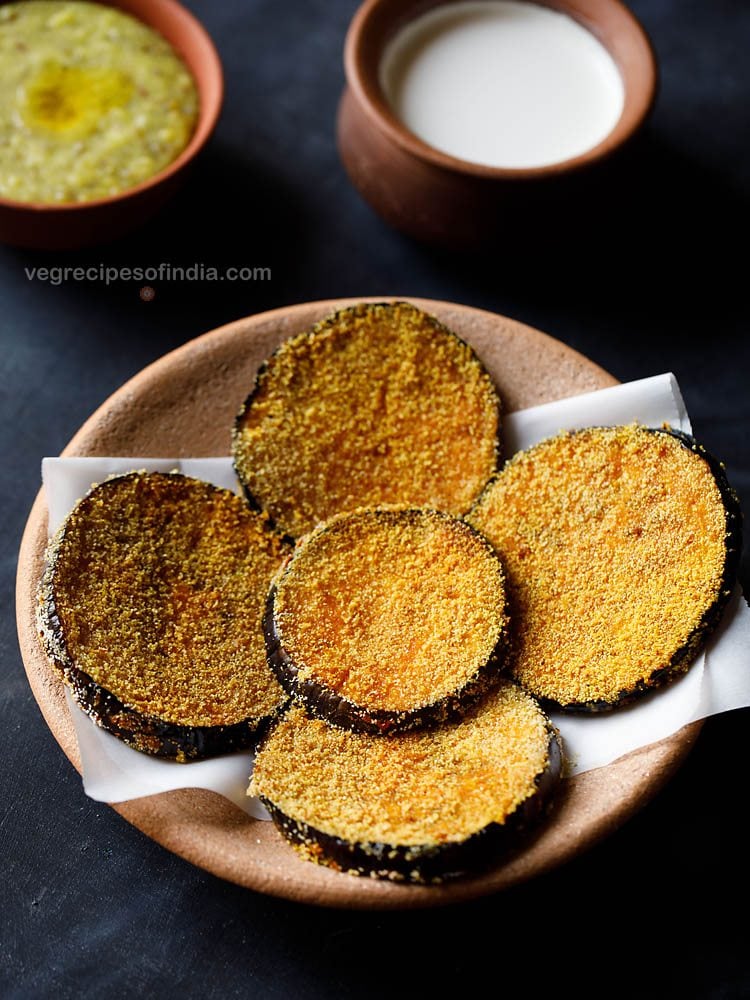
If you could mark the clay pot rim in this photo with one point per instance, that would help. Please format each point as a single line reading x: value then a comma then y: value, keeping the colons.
x: 640, y: 85
x: 210, y: 96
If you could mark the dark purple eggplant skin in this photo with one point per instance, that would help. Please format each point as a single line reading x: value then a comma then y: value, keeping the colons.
x: 711, y: 617
x: 155, y: 736
x: 323, y: 324
x: 323, y: 703
x: 148, y: 734
x: 429, y: 864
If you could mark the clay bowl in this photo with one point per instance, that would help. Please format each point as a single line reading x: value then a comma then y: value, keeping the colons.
x: 438, y: 198
x: 184, y: 405
x: 68, y: 226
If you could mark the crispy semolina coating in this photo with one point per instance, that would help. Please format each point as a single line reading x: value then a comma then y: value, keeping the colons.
x: 377, y: 404
x: 415, y: 805
x: 390, y: 611
x: 620, y: 545
x: 155, y: 590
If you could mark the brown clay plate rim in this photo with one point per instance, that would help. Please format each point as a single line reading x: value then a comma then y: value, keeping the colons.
x: 183, y: 405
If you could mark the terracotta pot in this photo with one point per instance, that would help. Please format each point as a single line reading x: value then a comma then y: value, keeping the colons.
x: 184, y: 405
x: 68, y: 226
x: 436, y: 197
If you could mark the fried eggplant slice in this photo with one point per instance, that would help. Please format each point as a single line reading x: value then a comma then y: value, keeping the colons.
x: 389, y: 619
x: 417, y: 807
x: 621, y: 546
x: 151, y: 608
x: 378, y: 404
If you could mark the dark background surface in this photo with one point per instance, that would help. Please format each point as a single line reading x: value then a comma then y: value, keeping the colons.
x: 652, y: 277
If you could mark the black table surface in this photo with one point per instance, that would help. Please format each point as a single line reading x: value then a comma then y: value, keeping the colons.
x: 651, y: 279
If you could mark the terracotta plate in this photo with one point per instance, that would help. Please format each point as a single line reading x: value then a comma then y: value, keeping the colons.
x: 183, y: 405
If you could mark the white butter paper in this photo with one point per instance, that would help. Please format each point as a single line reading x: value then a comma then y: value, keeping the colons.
x: 113, y: 772
x: 718, y: 680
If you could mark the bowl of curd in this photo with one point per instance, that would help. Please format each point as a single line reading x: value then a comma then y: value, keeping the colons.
x: 103, y: 108
x: 454, y: 110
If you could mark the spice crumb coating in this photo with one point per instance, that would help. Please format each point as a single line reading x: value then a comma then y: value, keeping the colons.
x: 619, y: 545
x: 377, y: 404
x: 392, y: 609
x: 155, y: 590
x: 411, y: 792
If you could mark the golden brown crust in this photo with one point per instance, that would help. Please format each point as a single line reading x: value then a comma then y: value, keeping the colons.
x: 621, y: 546
x: 388, y: 619
x: 377, y: 404
x: 419, y: 807
x: 151, y: 607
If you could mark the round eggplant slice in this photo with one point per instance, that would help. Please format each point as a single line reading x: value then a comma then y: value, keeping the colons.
x: 389, y: 619
x: 151, y: 607
x: 378, y: 404
x: 621, y: 546
x: 417, y: 807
